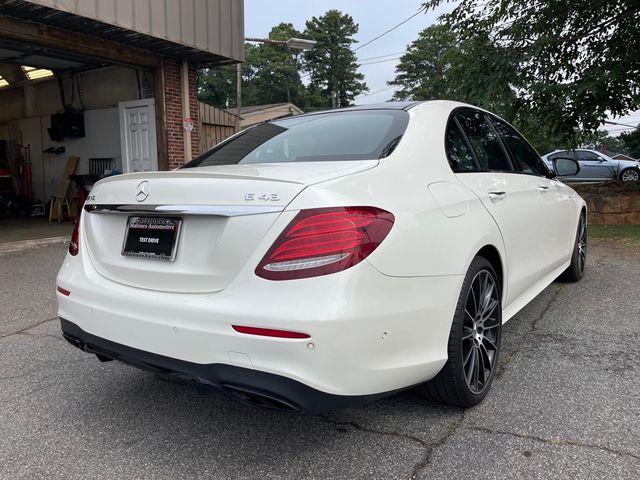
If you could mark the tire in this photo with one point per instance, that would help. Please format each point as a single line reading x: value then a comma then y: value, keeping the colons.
x: 575, y: 271
x: 471, y: 342
x: 630, y: 175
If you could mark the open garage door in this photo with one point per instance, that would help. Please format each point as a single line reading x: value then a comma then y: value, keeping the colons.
x: 58, y: 106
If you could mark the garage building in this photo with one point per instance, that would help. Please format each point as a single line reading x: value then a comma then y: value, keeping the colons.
x: 93, y: 88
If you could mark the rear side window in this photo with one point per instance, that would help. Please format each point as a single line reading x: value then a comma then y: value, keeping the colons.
x: 526, y: 158
x: 484, y: 141
x: 586, y: 156
x: 562, y: 154
x: 345, y: 135
x: 458, y: 152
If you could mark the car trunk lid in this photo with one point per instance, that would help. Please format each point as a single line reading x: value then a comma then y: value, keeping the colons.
x: 223, y: 213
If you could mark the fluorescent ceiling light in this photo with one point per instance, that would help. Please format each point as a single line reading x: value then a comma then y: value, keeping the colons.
x: 34, y: 73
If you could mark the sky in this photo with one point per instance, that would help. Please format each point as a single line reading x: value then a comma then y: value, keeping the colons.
x: 373, y: 17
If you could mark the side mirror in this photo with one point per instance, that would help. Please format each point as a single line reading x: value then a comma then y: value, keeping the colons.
x: 565, y: 167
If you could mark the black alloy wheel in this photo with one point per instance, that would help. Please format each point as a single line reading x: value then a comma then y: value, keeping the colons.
x: 474, y: 341
x: 575, y: 271
x: 480, y: 331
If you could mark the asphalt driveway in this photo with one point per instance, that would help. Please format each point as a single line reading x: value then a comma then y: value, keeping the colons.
x: 566, y: 403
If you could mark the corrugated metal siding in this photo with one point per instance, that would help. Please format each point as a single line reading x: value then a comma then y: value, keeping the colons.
x: 215, y: 26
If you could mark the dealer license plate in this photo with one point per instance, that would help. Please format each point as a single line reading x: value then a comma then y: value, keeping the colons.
x: 154, y: 238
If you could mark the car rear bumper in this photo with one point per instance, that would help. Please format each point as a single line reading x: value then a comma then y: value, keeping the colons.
x: 368, y: 333
x: 261, y: 389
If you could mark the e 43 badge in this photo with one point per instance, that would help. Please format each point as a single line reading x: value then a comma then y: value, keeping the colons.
x: 266, y: 197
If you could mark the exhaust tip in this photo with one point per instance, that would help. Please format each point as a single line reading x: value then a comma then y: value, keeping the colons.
x: 260, y: 399
x: 76, y: 342
x: 103, y: 358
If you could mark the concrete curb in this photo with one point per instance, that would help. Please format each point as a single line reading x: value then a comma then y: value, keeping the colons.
x: 10, y: 247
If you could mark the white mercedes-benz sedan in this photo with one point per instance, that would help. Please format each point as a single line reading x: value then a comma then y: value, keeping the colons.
x: 326, y: 259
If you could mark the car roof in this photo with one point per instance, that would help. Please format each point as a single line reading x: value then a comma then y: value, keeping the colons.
x: 355, y: 108
x: 381, y: 106
x: 384, y: 106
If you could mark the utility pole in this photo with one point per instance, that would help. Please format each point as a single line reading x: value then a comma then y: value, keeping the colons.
x: 238, y: 94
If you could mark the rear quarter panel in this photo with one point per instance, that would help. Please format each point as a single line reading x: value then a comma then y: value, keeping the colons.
x: 427, y: 239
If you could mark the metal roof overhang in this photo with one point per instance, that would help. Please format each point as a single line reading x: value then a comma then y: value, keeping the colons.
x: 29, y: 12
x: 21, y: 53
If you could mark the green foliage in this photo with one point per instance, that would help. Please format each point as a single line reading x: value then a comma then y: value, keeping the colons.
x: 439, y: 66
x: 217, y: 86
x: 273, y: 74
x: 600, y: 138
x: 270, y: 74
x: 424, y: 70
x: 631, y: 142
x: 575, y: 63
x: 442, y: 65
x: 332, y: 63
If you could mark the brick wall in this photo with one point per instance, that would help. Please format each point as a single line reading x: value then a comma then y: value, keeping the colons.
x: 173, y: 107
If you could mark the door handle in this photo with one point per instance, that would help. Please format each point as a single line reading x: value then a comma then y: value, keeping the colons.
x: 543, y: 188
x: 496, y: 195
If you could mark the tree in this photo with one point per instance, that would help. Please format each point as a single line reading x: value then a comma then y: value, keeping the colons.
x: 217, y: 86
x: 275, y: 70
x: 439, y: 65
x: 576, y: 62
x: 601, y: 139
x: 270, y: 74
x: 423, y: 70
x: 332, y: 63
x: 631, y: 141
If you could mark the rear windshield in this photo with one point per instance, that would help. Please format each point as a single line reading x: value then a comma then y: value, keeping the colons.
x: 346, y: 135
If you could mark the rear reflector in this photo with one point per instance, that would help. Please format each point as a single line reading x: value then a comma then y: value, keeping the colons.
x: 267, y: 332
x: 64, y: 292
x: 74, y: 245
x: 320, y: 241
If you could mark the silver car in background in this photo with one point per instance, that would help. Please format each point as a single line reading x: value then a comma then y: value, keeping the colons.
x: 596, y: 166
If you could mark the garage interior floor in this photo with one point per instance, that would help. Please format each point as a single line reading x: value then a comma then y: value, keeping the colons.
x: 32, y: 228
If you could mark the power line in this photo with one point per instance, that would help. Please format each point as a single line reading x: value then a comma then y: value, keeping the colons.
x: 627, y: 119
x: 390, y: 30
x: 381, y: 56
x: 361, y: 65
x: 377, y: 91
x: 619, y: 130
x: 380, y: 61
x: 422, y: 9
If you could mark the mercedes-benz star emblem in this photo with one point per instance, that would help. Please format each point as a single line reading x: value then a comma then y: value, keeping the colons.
x: 142, y: 191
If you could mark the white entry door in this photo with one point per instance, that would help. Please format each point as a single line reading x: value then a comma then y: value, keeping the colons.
x: 138, y: 136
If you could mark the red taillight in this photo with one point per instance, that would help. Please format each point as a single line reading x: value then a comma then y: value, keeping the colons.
x: 74, y: 245
x: 325, y: 240
x: 64, y: 291
x: 269, y: 332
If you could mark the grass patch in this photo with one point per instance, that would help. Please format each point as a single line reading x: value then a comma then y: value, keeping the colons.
x: 629, y: 234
